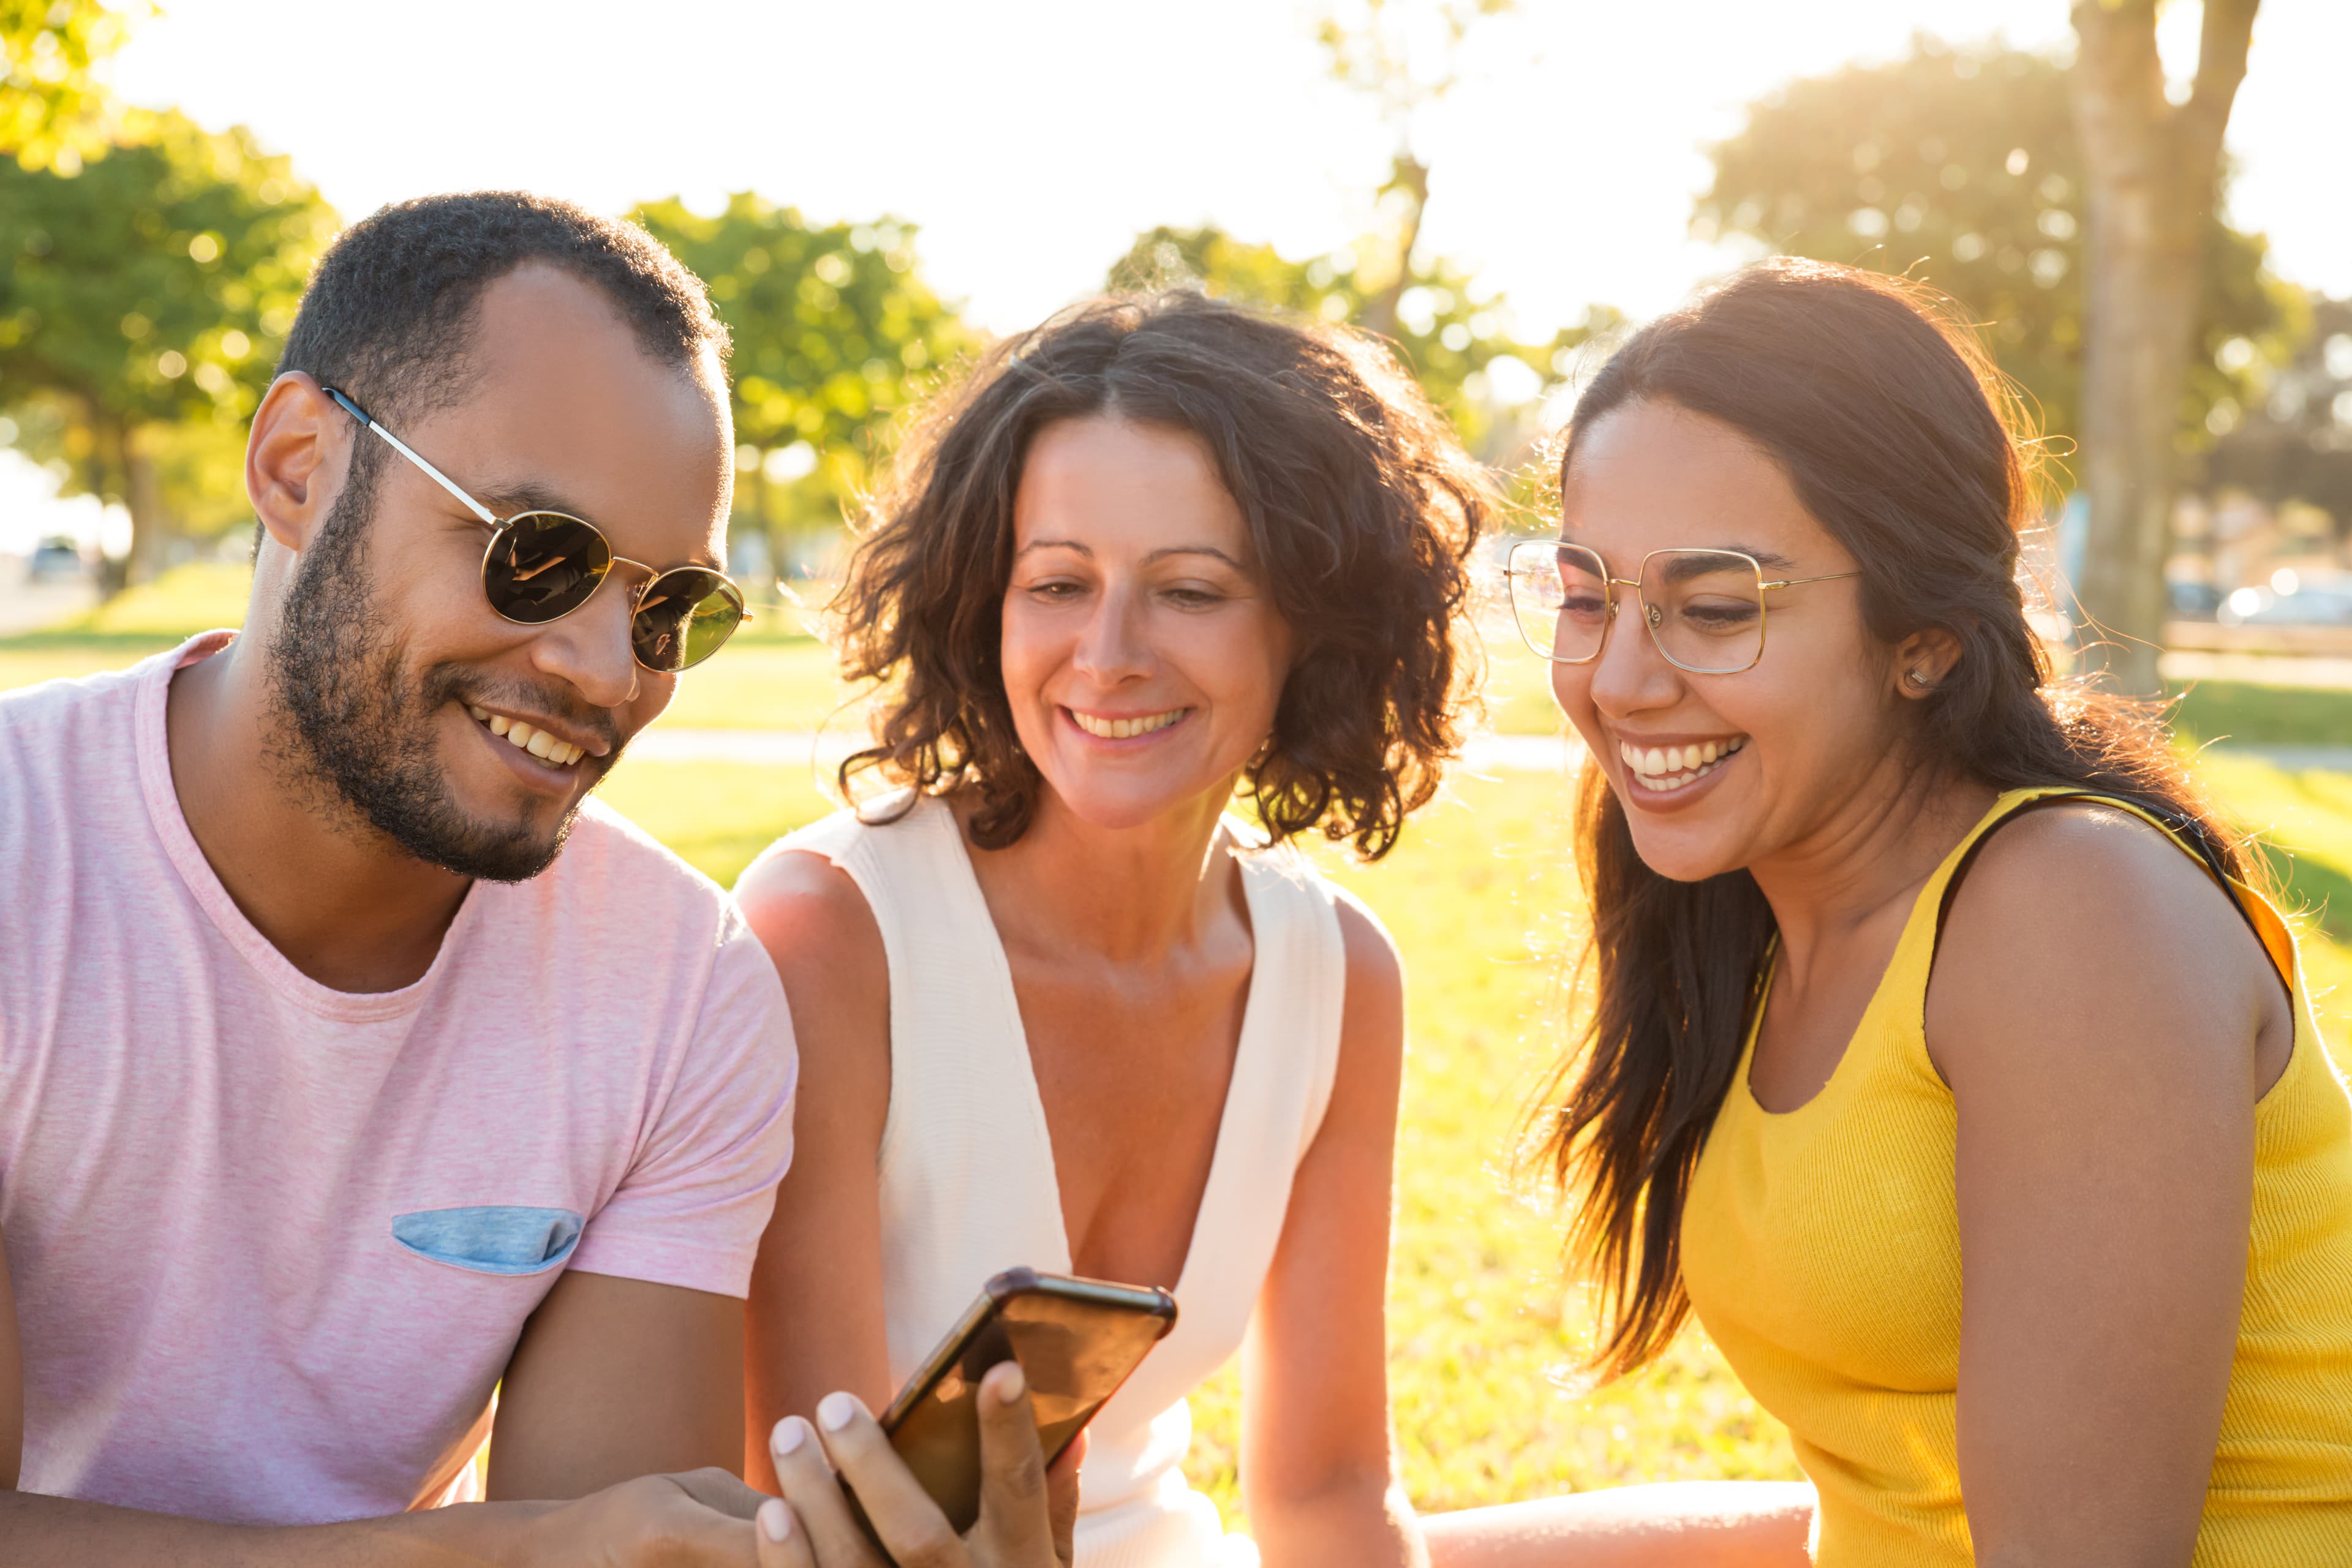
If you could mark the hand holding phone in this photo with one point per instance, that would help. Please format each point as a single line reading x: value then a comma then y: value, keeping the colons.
x: 1026, y: 1515
x: 1076, y: 1342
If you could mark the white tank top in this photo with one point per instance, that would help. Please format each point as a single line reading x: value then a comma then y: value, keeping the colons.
x: 966, y: 1165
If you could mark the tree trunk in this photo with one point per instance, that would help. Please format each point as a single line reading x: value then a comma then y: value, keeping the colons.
x: 1410, y: 175
x: 151, y: 517
x: 2153, y: 171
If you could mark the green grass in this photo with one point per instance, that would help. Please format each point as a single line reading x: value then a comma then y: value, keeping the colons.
x: 1480, y: 898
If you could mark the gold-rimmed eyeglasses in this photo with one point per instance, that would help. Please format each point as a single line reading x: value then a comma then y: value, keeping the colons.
x: 1705, y: 608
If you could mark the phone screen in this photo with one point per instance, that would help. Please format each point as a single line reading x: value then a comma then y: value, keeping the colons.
x: 1074, y: 1353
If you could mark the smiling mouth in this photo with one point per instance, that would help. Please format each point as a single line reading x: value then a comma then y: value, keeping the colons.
x: 538, y: 743
x: 1665, y: 768
x: 1124, y: 729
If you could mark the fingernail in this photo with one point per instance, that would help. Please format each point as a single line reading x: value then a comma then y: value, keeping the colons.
x: 775, y: 1519
x: 789, y: 1435
x: 834, y: 1411
x: 1010, y: 1382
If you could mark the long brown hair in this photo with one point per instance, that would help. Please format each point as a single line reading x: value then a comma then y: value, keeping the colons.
x: 1898, y: 435
x: 1361, y: 507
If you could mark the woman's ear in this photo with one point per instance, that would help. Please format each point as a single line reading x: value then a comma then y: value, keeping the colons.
x: 1923, y: 659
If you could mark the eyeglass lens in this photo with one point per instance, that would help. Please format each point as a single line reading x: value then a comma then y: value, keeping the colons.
x: 685, y: 615
x: 543, y: 565
x: 1705, y: 608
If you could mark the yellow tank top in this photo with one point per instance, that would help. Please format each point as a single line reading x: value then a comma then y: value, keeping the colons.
x: 1822, y: 1251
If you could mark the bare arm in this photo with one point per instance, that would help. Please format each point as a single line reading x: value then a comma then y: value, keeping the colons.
x: 617, y: 1378
x: 2106, y: 1087
x: 815, y: 1320
x: 1317, y: 1456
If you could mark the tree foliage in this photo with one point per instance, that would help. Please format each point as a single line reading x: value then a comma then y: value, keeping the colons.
x: 52, y: 114
x: 144, y: 302
x: 1452, y: 331
x: 1961, y: 165
x: 835, y: 331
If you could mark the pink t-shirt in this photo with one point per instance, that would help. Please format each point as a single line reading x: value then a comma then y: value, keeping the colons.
x: 272, y: 1243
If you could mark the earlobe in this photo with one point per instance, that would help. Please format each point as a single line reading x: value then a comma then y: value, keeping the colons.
x: 295, y: 459
x: 1925, y: 659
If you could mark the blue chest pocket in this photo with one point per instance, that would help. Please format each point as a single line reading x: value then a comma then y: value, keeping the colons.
x: 495, y: 1238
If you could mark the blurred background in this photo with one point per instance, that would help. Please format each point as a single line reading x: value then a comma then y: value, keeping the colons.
x: 2140, y: 206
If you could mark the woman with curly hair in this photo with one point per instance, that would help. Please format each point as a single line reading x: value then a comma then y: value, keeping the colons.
x: 1055, y: 1006
x: 1944, y: 1061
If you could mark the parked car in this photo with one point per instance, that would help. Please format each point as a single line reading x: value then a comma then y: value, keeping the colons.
x: 54, y: 559
x: 2292, y: 602
x: 2190, y: 600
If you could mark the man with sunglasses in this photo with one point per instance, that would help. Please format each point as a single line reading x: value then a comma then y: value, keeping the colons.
x: 352, y: 1063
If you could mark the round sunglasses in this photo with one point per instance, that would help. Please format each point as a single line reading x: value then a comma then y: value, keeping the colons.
x: 540, y: 567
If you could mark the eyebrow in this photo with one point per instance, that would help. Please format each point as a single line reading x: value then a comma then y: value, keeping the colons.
x: 1159, y: 555
x: 1684, y: 569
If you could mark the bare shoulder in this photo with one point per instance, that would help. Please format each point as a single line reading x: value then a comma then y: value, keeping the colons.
x: 2082, y: 922
x: 2100, y: 876
x: 1372, y: 1031
x: 811, y: 916
x: 1372, y: 958
x: 822, y: 936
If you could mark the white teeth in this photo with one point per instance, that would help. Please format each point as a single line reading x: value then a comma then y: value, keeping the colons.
x: 1671, y: 767
x: 1124, y: 729
x: 538, y: 743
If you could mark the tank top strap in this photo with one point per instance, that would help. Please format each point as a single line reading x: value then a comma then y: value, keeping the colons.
x: 1302, y: 957
x: 2268, y: 925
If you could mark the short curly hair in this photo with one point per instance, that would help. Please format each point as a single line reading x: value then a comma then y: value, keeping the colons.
x: 1362, y: 510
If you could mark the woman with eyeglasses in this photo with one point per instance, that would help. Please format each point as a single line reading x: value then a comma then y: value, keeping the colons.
x: 1944, y: 1061
x: 1058, y: 1006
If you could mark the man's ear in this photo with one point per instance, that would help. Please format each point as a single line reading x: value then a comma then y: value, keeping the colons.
x: 1923, y: 659
x: 295, y: 460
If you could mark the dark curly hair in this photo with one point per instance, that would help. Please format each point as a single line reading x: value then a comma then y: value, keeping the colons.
x: 1361, y: 507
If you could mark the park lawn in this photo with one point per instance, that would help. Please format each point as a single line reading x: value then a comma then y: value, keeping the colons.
x: 1480, y: 899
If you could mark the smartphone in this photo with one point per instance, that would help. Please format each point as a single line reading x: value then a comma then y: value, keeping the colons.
x: 1077, y: 1341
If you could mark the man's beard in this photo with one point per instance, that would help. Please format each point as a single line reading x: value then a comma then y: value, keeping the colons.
x: 363, y: 727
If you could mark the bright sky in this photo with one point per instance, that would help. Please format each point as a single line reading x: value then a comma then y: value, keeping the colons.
x: 1032, y: 139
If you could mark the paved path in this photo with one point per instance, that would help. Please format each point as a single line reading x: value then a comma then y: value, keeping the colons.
x: 1486, y: 754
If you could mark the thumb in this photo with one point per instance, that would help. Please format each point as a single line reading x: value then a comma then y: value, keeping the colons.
x: 1014, y: 1530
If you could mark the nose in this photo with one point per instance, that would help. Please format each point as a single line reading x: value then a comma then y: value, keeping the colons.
x: 1111, y: 649
x: 1632, y: 675
x: 589, y: 648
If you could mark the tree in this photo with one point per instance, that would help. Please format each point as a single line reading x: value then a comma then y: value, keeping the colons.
x: 147, y: 296
x: 1963, y: 166
x: 1405, y: 55
x: 2154, y: 180
x: 835, y: 331
x: 1454, y: 332
x: 52, y: 114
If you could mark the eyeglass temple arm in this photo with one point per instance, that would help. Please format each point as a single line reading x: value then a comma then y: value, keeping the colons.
x: 401, y: 446
x: 1800, y: 581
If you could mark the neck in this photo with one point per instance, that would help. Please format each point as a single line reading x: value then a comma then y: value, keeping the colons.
x: 1869, y: 856
x: 1124, y: 894
x: 344, y: 904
